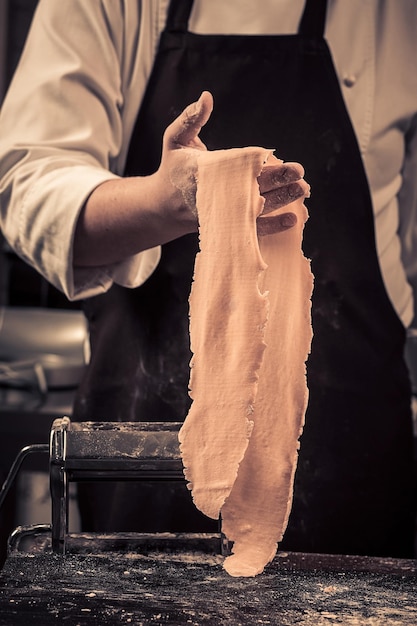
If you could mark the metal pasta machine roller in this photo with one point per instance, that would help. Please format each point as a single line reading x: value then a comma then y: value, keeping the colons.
x: 107, y: 451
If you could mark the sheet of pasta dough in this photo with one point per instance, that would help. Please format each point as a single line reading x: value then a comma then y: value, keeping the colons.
x: 250, y: 332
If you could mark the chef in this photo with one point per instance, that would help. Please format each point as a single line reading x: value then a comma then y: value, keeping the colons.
x: 91, y: 131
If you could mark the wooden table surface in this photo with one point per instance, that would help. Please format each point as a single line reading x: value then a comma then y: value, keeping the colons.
x: 106, y: 586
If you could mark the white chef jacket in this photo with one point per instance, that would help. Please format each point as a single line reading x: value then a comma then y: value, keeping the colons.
x: 67, y: 119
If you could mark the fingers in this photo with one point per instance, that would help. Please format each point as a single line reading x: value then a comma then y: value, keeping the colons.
x: 280, y: 184
x: 279, y: 174
x: 281, y: 196
x: 275, y: 224
x: 184, y: 130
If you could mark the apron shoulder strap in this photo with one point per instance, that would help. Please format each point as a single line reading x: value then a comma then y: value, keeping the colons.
x: 178, y: 15
x: 313, y: 20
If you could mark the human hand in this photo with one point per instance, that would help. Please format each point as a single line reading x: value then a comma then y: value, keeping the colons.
x: 124, y: 216
x: 280, y: 184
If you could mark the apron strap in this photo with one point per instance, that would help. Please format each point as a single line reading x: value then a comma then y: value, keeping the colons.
x: 178, y: 15
x: 313, y: 20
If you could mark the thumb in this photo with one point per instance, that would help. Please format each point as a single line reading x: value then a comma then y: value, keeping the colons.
x: 184, y: 130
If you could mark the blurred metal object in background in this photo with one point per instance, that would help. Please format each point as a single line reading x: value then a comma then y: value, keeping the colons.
x: 42, y: 349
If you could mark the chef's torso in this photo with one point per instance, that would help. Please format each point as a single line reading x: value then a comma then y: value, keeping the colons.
x: 358, y: 417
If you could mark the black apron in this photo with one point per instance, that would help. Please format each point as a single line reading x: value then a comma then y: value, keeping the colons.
x: 354, y: 482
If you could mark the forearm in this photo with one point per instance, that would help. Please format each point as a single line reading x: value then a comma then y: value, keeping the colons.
x: 125, y: 216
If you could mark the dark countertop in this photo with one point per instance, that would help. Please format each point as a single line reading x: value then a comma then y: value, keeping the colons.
x: 190, y: 587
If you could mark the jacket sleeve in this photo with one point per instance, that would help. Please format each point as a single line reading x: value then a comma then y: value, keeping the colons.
x: 62, y: 129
